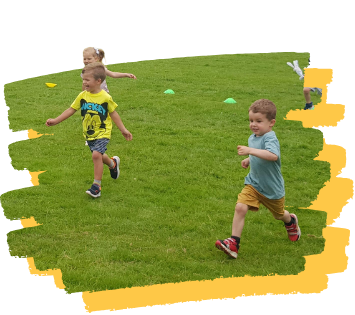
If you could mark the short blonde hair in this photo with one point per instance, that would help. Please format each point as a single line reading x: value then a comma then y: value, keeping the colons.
x: 264, y: 106
x: 96, y: 52
x: 98, y: 70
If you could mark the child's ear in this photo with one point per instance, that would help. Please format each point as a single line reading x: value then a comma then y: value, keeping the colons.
x: 272, y: 122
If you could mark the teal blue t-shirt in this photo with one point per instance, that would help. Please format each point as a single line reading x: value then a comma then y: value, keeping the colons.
x: 265, y: 176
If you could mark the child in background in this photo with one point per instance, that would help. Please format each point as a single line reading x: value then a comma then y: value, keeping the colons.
x: 264, y: 184
x: 92, y: 54
x: 306, y: 90
x: 97, y: 112
x: 307, y: 95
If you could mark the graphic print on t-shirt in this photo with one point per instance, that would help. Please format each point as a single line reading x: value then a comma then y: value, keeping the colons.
x: 93, y: 116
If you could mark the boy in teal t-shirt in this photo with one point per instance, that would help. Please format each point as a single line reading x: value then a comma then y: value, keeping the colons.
x: 97, y: 114
x: 264, y: 184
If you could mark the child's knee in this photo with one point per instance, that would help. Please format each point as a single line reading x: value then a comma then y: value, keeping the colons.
x: 241, y: 208
x: 96, y: 155
x: 306, y: 90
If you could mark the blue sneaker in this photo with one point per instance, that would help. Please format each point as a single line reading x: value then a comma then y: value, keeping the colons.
x: 115, y: 171
x: 309, y: 106
x: 94, y: 191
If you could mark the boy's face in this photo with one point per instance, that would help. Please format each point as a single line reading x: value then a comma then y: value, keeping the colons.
x: 259, y: 124
x: 90, y: 84
x: 89, y: 58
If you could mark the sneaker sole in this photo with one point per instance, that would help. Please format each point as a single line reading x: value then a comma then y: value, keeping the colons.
x: 94, y: 196
x: 117, y: 159
x: 224, y: 249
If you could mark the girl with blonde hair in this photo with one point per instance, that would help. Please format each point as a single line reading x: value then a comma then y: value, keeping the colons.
x: 92, y: 54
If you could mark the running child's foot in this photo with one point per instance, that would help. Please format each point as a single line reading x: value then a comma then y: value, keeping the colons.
x: 309, y: 106
x: 229, y: 246
x: 293, y: 231
x: 115, y: 171
x: 94, y: 191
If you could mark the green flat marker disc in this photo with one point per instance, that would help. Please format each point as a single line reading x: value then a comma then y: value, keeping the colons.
x: 169, y: 92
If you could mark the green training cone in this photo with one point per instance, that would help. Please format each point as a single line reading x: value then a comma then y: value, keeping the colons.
x: 230, y: 101
x: 169, y: 92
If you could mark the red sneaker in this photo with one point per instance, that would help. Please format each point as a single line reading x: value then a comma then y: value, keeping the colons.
x: 293, y: 231
x: 229, y: 246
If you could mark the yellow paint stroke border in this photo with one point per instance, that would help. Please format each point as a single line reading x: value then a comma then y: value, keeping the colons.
x: 31, y: 222
x: 332, y: 198
x: 56, y: 273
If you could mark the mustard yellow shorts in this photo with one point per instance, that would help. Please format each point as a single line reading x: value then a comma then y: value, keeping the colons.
x: 252, y: 198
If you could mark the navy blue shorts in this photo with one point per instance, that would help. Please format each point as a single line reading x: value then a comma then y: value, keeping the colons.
x: 99, y: 145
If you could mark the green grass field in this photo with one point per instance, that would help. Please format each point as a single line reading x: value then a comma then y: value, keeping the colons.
x: 180, y: 176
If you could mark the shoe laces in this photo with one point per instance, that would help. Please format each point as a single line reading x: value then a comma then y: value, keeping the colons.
x: 231, y: 241
x: 95, y: 187
x: 292, y: 229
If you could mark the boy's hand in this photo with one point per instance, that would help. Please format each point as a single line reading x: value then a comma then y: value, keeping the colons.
x: 127, y: 135
x: 50, y: 122
x: 245, y: 163
x: 132, y: 76
x: 243, y: 150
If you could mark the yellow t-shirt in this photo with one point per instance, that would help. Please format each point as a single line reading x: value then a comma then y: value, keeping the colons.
x: 95, y: 110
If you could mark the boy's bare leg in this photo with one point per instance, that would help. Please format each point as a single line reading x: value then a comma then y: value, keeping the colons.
x: 106, y: 160
x: 307, y: 94
x: 286, y: 218
x: 240, y: 212
x: 97, y: 159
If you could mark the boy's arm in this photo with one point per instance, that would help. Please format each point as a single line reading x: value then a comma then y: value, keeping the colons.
x: 117, y: 75
x: 117, y: 120
x: 262, y: 154
x: 66, y: 114
x: 245, y: 163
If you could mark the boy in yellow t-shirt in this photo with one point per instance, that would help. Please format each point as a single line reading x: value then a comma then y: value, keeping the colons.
x: 97, y: 112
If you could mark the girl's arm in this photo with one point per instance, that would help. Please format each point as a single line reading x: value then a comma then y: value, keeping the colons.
x: 117, y: 120
x: 66, y: 114
x: 117, y: 75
